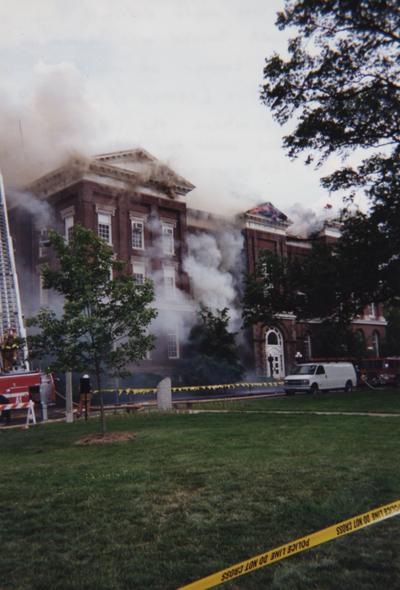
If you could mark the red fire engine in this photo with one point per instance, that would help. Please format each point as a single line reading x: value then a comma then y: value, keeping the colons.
x: 380, y: 370
x: 17, y: 383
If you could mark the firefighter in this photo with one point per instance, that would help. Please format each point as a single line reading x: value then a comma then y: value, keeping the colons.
x: 9, y: 350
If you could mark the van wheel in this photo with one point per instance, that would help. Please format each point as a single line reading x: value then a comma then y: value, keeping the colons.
x: 348, y: 387
x: 314, y: 388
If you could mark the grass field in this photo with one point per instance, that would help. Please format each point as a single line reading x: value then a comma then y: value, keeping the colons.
x: 193, y: 494
x: 381, y: 400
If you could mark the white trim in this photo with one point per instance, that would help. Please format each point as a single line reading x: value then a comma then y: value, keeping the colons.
x: 298, y: 244
x: 332, y: 233
x: 174, y: 332
x: 168, y: 239
x: 139, y: 216
x: 265, y: 228
x: 105, y: 209
x: 139, y: 221
x: 68, y: 212
x: 370, y: 322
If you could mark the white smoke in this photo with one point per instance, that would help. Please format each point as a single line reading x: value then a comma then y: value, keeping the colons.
x: 41, y: 211
x: 215, y: 265
x: 52, y: 120
x: 306, y: 222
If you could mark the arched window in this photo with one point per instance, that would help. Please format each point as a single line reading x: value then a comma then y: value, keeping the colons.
x: 272, y: 338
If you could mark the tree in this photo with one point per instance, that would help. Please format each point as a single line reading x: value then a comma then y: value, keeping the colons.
x: 311, y: 287
x: 340, y: 85
x: 104, y: 322
x: 267, y: 291
x: 211, y: 352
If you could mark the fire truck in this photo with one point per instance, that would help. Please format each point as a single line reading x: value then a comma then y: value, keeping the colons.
x: 380, y: 370
x: 17, y: 382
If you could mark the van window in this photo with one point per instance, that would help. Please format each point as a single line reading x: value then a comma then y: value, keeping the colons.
x: 320, y: 370
x: 304, y: 370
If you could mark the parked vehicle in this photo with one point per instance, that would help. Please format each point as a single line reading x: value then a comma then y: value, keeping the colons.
x: 380, y: 371
x: 21, y: 386
x: 314, y: 377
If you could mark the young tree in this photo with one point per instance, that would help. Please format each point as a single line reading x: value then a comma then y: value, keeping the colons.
x: 211, y: 350
x: 340, y: 86
x: 104, y: 322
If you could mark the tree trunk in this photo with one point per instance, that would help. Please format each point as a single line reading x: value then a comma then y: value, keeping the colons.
x: 102, y: 413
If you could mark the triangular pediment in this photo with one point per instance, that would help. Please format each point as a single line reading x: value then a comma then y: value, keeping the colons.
x: 135, y: 167
x: 146, y: 167
x: 270, y: 213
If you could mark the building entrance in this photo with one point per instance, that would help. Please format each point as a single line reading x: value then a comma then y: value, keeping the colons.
x: 275, y: 360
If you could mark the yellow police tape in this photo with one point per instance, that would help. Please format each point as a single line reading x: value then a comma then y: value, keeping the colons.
x: 345, y: 527
x: 137, y: 391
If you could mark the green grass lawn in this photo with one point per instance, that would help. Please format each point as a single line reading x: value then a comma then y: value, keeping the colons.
x: 193, y: 494
x: 365, y: 400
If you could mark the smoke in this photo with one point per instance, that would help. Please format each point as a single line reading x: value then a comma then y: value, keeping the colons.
x: 41, y: 211
x: 47, y: 124
x: 215, y: 266
x: 306, y: 222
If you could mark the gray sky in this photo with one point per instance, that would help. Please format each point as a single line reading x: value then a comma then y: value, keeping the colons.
x: 180, y: 78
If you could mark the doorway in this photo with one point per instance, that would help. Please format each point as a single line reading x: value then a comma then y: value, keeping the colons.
x: 275, y: 360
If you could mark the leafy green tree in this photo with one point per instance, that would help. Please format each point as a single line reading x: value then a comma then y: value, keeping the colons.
x: 311, y: 287
x: 340, y: 87
x: 104, y: 322
x: 268, y: 291
x: 211, y: 352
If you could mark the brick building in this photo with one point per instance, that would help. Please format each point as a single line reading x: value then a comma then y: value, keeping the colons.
x: 137, y: 204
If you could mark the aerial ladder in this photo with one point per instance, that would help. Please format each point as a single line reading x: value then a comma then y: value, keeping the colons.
x: 11, y: 318
x: 19, y: 386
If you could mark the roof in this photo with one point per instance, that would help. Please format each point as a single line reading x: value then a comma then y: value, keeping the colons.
x: 133, y: 167
x: 269, y: 212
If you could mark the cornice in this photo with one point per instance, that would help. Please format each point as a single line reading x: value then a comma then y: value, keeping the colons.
x: 75, y: 170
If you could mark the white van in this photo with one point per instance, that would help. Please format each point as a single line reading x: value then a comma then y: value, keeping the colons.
x: 314, y: 377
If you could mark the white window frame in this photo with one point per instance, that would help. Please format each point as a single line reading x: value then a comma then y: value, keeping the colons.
x: 372, y: 311
x: 173, y: 351
x: 68, y: 227
x: 139, y: 269
x: 168, y: 238
x: 43, y: 293
x: 169, y: 285
x: 376, y: 342
x: 105, y: 219
x: 136, y: 222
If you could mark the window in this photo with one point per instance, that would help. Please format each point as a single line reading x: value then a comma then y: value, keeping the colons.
x: 43, y: 293
x: 139, y: 272
x: 104, y: 226
x: 375, y: 343
x: 372, y: 311
x: 168, y: 238
x: 172, y: 345
x: 43, y: 243
x: 320, y: 370
x: 169, y: 281
x: 308, y: 346
x: 272, y: 338
x: 68, y: 227
x: 137, y: 234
